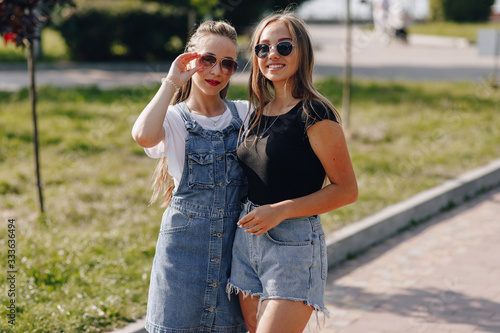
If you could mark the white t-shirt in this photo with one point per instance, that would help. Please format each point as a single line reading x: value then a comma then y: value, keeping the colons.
x: 174, y: 146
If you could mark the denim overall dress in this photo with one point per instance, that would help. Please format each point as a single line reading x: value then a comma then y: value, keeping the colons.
x: 187, y: 292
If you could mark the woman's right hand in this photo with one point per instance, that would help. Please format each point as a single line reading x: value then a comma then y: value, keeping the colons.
x: 179, y: 72
x: 148, y: 129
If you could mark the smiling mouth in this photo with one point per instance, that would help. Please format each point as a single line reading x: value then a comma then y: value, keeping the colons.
x: 275, y: 66
x: 213, y: 82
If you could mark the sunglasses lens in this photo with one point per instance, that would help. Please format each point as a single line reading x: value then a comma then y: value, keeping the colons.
x: 229, y: 66
x: 284, y: 48
x: 207, y: 61
x: 261, y: 50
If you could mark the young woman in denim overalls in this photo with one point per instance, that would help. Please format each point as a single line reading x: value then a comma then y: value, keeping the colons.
x: 293, y: 143
x: 198, y: 136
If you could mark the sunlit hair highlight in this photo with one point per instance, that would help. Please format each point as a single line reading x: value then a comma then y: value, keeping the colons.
x: 163, y: 182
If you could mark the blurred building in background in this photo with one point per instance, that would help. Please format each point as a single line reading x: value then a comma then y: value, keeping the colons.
x: 361, y: 10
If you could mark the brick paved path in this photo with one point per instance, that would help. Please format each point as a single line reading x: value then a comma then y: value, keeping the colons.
x: 442, y: 276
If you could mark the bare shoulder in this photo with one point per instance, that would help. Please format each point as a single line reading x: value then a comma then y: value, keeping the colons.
x: 325, y: 131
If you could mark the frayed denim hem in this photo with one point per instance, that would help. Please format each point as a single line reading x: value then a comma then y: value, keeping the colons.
x: 318, y: 310
x: 231, y: 288
x: 323, y: 311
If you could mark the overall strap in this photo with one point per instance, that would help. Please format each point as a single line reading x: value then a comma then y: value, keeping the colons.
x: 186, y: 115
x: 234, y: 112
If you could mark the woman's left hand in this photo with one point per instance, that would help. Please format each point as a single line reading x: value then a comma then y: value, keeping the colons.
x: 261, y: 220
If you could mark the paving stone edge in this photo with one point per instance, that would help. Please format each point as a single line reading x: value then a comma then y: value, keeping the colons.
x: 358, y: 237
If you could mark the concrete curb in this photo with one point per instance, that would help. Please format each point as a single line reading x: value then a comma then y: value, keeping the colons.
x: 438, y: 41
x: 136, y: 327
x: 361, y: 235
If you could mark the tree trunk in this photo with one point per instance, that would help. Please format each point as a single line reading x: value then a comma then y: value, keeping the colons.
x: 346, y: 96
x: 37, y: 43
x: 31, y: 69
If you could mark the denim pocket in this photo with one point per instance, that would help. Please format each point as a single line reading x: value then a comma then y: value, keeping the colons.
x: 201, y: 170
x: 174, y: 220
x: 292, y: 232
x: 234, y: 173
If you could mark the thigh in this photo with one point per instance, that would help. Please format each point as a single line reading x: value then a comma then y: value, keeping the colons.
x: 283, y: 316
x: 249, y: 306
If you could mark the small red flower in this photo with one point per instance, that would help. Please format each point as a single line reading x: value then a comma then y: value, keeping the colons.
x: 9, y: 37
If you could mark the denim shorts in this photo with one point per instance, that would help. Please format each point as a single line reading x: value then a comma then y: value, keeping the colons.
x: 287, y: 262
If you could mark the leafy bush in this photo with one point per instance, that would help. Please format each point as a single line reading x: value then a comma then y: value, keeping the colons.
x: 151, y: 36
x: 103, y: 35
x: 89, y: 35
x: 241, y: 14
x: 461, y: 10
x: 149, y: 29
x: 436, y: 10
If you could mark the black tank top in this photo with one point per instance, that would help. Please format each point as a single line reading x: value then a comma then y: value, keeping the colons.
x: 277, y: 157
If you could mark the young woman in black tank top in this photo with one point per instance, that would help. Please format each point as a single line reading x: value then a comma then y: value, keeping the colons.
x: 294, y: 142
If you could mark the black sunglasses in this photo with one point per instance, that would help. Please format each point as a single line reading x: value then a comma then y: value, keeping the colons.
x: 283, y: 48
x: 208, y: 61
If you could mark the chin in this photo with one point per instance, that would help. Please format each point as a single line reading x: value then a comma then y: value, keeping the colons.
x: 211, y: 91
x: 277, y: 77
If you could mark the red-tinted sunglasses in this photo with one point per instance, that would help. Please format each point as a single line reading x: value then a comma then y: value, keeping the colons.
x: 208, y: 61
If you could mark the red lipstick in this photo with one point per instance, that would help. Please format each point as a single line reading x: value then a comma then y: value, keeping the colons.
x: 213, y: 82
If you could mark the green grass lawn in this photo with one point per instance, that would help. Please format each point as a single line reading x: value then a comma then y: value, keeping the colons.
x: 84, y: 266
x: 451, y: 29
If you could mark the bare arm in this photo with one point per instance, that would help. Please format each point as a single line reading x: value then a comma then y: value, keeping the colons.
x: 328, y: 142
x: 148, y: 129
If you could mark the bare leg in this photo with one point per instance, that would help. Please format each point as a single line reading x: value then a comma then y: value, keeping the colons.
x: 249, y: 306
x: 283, y: 316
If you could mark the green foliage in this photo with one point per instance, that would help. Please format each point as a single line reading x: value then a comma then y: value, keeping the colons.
x: 83, y: 34
x: 149, y: 30
x: 461, y: 10
x: 53, y: 46
x: 204, y: 7
x: 11, y: 53
x: 436, y: 10
x: 21, y: 19
x: 149, y: 33
x: 241, y: 14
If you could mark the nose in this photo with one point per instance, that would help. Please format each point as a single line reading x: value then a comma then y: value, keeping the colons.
x: 217, y: 69
x: 273, y: 51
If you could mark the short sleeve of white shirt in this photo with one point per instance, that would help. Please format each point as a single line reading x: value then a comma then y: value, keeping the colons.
x: 173, y: 147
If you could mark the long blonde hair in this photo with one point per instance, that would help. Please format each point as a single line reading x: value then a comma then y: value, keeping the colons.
x: 163, y: 182
x: 261, y: 90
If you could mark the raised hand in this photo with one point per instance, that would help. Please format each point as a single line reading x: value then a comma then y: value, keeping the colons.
x: 180, y: 72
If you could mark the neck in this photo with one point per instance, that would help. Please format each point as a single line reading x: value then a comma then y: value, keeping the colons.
x: 281, y: 103
x: 283, y: 89
x: 209, y: 106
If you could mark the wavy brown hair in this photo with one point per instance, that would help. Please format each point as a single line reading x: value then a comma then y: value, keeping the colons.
x: 163, y: 182
x: 261, y: 90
